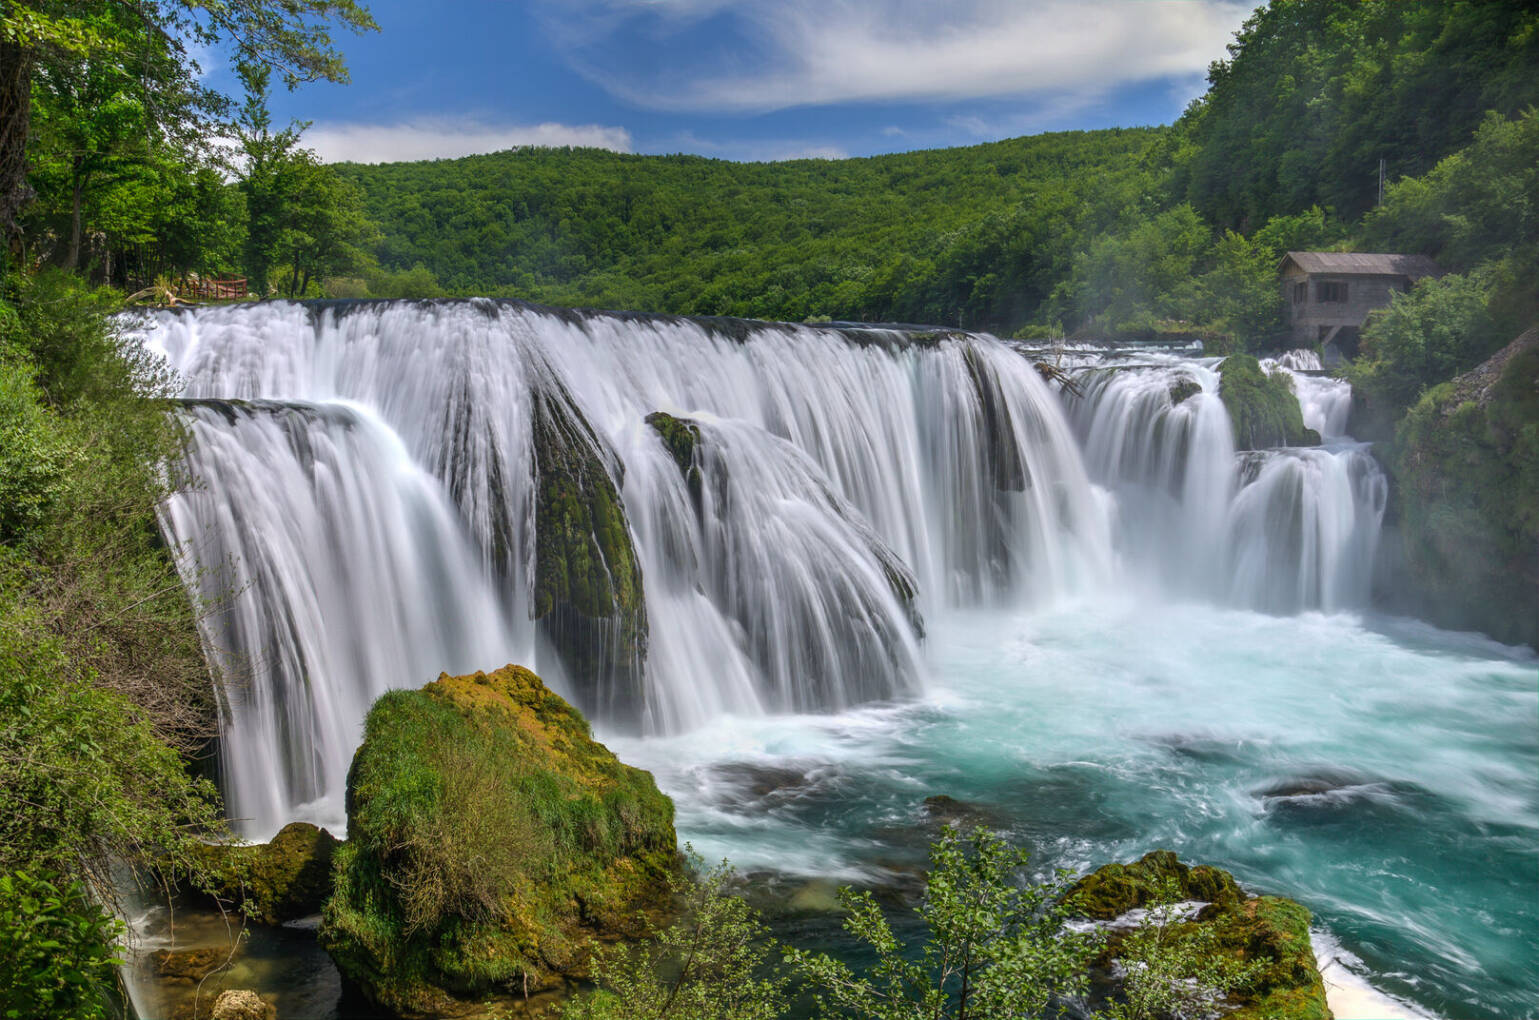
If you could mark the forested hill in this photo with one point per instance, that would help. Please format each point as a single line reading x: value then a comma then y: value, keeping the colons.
x: 1123, y: 231
x: 976, y: 235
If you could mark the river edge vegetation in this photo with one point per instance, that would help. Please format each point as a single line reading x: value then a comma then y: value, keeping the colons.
x: 112, y: 178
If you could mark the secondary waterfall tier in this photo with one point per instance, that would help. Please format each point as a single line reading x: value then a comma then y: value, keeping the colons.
x: 383, y: 484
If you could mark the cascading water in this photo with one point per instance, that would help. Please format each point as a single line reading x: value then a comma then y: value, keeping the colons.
x: 1326, y: 403
x: 1276, y: 530
x: 374, y: 508
x: 875, y: 566
x: 333, y: 568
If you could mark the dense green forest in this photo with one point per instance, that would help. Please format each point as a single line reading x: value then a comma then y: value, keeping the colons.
x: 1123, y: 232
x: 110, y: 173
x: 118, y: 175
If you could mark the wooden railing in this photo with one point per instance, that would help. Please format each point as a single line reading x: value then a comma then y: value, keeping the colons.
x: 214, y: 289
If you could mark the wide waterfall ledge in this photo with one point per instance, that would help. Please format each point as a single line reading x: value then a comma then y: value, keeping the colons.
x: 810, y: 575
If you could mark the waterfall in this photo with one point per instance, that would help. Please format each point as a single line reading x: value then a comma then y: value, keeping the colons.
x: 801, y: 503
x: 1325, y: 402
x: 1273, y: 530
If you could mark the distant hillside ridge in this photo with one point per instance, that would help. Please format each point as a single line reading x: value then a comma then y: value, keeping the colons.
x: 974, y: 236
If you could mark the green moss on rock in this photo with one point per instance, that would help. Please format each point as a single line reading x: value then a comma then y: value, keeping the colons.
x: 491, y: 842
x: 1265, y: 930
x: 1263, y: 409
x: 1466, y: 467
x: 275, y: 882
x: 681, y: 437
x: 588, y: 595
x: 1115, y: 889
x: 1183, y: 389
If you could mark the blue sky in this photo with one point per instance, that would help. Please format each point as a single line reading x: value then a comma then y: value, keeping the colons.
x: 754, y: 79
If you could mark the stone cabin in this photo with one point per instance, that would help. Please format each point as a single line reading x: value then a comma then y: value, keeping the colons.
x: 1330, y: 293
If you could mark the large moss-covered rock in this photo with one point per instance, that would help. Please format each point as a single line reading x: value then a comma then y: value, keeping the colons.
x: 1466, y: 464
x: 275, y: 882
x: 491, y: 842
x: 1265, y: 930
x: 588, y: 595
x: 1263, y: 409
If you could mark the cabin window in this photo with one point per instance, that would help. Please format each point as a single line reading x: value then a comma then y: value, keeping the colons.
x: 1300, y: 293
x: 1333, y: 291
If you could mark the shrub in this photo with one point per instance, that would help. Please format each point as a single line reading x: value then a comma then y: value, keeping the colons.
x: 994, y: 948
x: 59, y: 950
x: 1440, y: 328
x: 710, y: 964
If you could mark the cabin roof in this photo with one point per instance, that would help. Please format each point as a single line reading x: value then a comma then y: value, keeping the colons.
x: 1351, y: 263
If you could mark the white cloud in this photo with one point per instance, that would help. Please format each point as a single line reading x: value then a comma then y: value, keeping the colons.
x: 441, y: 139
x: 758, y: 150
x: 779, y: 154
x: 787, y: 53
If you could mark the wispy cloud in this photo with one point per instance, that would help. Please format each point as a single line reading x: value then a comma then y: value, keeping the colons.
x: 754, y: 150
x: 440, y: 139
x: 775, y: 54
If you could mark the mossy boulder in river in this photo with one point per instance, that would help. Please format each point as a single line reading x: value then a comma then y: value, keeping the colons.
x: 491, y: 842
x: 1466, y: 464
x: 1266, y: 932
x: 1263, y: 409
x: 588, y: 595
x: 275, y: 882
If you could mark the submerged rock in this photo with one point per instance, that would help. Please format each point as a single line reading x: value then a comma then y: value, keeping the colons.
x: 189, y: 966
x: 1268, y: 931
x: 588, y: 595
x: 942, y: 809
x: 242, y: 1004
x: 1263, y: 409
x: 276, y: 882
x: 491, y: 842
x: 1466, y: 464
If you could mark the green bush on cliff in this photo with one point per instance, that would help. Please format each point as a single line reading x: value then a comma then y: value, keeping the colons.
x: 1424, y: 337
x: 490, y: 838
x: 102, y: 680
x: 1263, y: 410
x: 1466, y: 460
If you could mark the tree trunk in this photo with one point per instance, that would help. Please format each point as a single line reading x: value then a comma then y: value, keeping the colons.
x: 15, y: 120
x: 72, y: 256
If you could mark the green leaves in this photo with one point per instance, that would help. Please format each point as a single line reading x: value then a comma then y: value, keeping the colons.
x: 994, y: 948
x: 1174, y: 969
x: 710, y: 964
x: 60, y: 951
